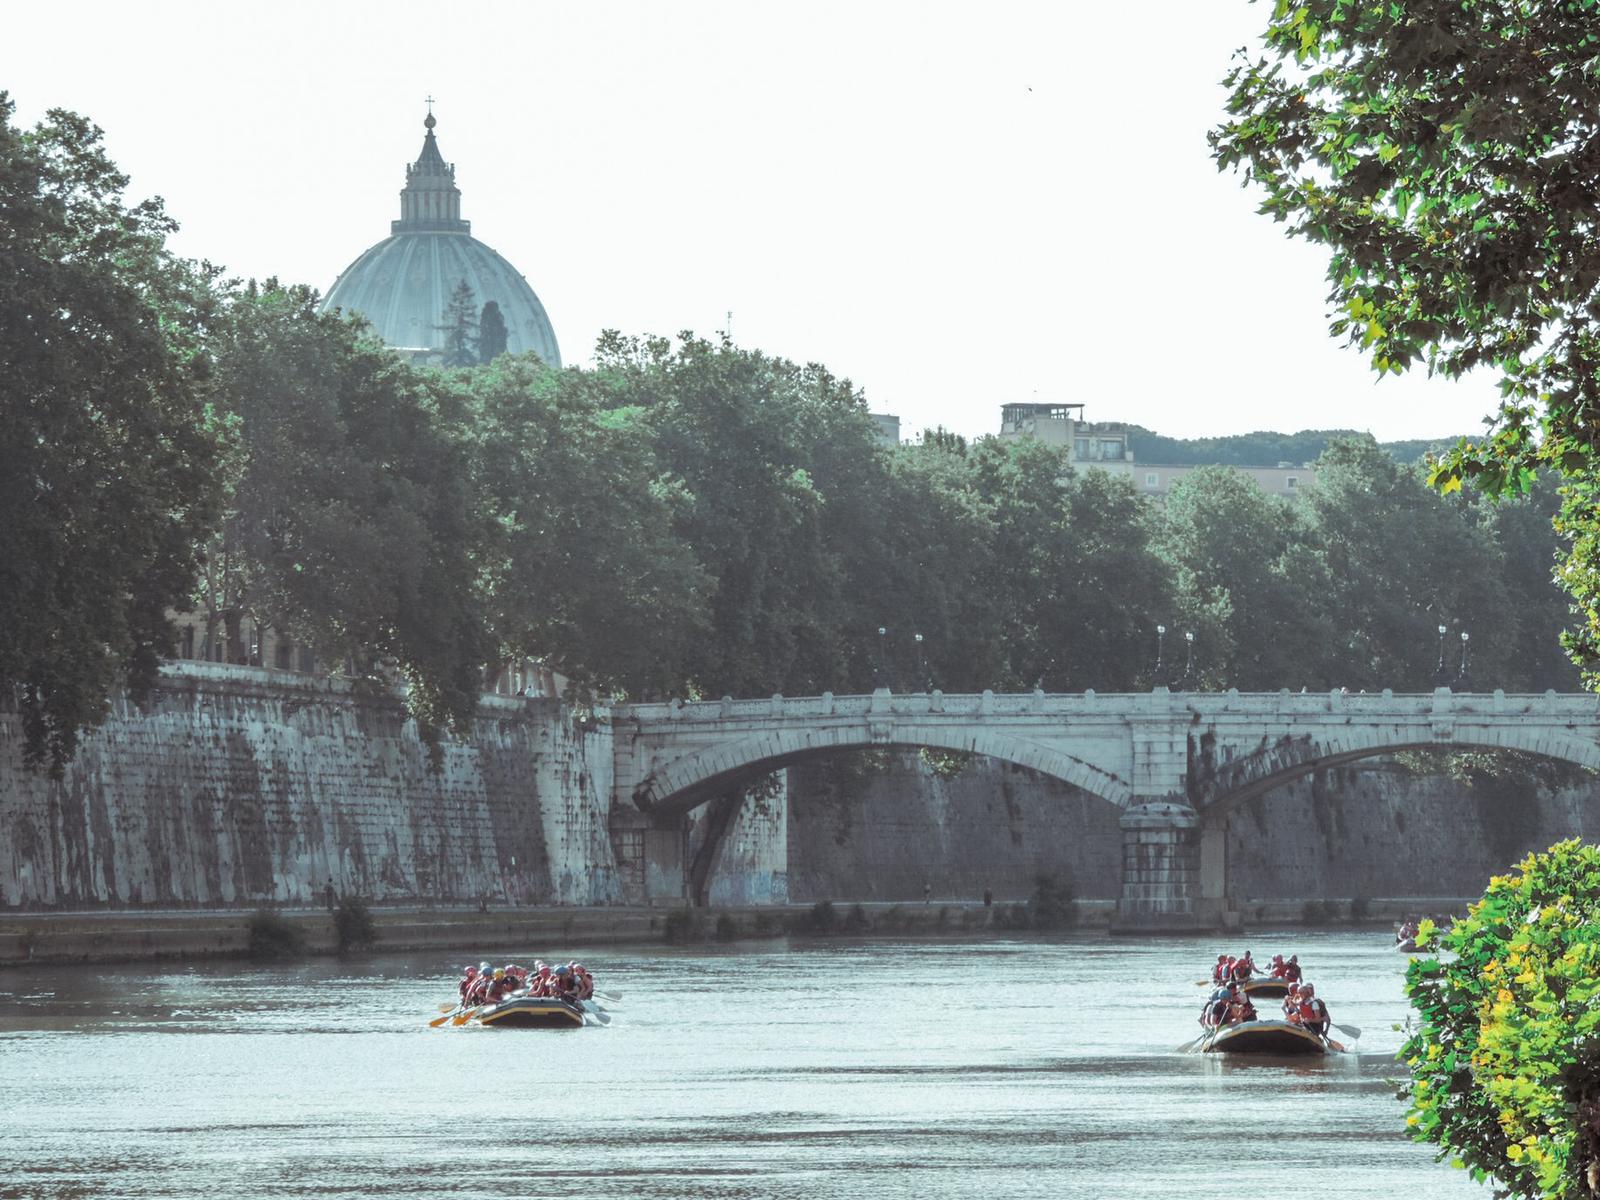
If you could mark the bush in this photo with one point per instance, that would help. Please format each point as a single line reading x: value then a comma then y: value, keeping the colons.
x: 1505, y: 1059
x: 1316, y: 912
x: 353, y: 925
x: 823, y: 918
x: 681, y: 925
x: 857, y: 921
x: 727, y: 928
x: 270, y: 936
x: 1053, y: 904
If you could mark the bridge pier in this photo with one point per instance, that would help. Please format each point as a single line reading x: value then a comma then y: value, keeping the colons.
x: 1160, y: 869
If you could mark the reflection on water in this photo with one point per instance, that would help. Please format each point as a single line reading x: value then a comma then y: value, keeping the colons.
x: 923, y: 1069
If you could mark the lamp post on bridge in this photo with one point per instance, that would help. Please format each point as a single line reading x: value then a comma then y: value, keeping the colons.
x: 923, y: 678
x: 1161, y: 639
x: 1463, y: 679
x: 878, y: 662
x: 1441, y: 677
x: 1187, y: 683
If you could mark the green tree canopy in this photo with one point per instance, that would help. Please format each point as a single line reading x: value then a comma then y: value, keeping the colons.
x: 352, y: 522
x: 1449, y: 158
x: 109, y: 458
x: 583, y: 568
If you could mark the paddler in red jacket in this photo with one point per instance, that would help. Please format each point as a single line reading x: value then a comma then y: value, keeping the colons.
x: 466, y: 984
x: 1219, y: 973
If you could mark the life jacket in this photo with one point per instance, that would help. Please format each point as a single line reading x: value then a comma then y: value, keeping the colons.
x: 1291, y: 972
x: 478, y: 993
x: 1219, y: 971
x: 466, y: 985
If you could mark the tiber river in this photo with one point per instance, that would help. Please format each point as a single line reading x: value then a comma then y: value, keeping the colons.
x: 861, y: 1069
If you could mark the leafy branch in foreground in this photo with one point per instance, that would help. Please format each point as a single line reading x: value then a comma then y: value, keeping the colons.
x: 1449, y: 157
x: 1505, y: 1063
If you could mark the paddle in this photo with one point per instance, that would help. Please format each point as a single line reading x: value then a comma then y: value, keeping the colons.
x: 1350, y: 1031
x: 466, y: 1016
x: 449, y: 1008
x: 591, y: 1009
x: 1189, y: 1046
x: 1333, y: 1045
x: 614, y: 997
x: 438, y: 1021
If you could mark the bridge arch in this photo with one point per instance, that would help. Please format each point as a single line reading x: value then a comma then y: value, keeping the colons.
x: 685, y: 784
x: 1216, y: 790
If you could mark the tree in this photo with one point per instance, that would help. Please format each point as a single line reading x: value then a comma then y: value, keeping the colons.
x: 491, y: 333
x: 766, y: 452
x: 107, y: 452
x: 1227, y: 542
x: 1505, y: 1059
x: 352, y: 521
x: 583, y: 568
x: 460, y: 328
x: 1448, y: 156
x: 1390, y: 561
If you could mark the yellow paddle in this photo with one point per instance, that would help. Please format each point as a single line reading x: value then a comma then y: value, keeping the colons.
x: 438, y: 1021
x: 466, y: 1016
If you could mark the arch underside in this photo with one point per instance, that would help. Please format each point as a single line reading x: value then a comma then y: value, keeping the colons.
x: 688, y: 783
x: 1243, y: 779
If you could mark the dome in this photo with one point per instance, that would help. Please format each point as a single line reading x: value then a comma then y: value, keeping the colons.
x: 403, y: 284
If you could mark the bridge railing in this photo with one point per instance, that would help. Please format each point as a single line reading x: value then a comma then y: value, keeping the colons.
x: 1578, y: 706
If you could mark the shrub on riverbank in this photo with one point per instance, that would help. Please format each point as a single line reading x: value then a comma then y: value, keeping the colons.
x: 1505, y: 1063
x: 353, y: 926
x: 270, y: 937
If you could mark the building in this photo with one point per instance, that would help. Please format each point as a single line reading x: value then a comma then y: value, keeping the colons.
x: 404, y: 283
x: 886, y: 426
x: 1105, y: 448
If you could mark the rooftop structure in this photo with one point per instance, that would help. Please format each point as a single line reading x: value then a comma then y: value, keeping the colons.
x: 403, y: 283
x: 1105, y: 447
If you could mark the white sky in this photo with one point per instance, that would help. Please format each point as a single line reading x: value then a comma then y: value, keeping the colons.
x: 954, y: 205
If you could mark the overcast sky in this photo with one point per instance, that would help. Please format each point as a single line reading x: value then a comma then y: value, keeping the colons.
x: 956, y: 206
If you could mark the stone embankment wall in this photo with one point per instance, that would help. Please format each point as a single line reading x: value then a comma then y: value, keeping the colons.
x: 1397, y: 828
x: 882, y: 824
x: 879, y: 826
x: 239, y: 786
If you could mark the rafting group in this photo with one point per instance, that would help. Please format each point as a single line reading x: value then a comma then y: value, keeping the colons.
x: 541, y: 995
x: 1232, y: 1024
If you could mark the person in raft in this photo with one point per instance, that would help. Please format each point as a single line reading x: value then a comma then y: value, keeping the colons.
x: 1310, y: 1012
x: 1282, y: 969
x: 485, y: 984
x: 1219, y: 973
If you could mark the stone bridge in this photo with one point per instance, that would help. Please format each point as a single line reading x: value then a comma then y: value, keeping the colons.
x: 1170, y: 761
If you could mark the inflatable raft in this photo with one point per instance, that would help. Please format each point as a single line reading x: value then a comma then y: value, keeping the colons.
x: 1266, y: 987
x: 533, y: 1012
x: 1264, y: 1037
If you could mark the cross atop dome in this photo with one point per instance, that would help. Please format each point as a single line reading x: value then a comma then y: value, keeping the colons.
x: 430, y: 200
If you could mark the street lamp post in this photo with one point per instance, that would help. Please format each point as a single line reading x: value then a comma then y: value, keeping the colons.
x: 878, y: 666
x: 922, y: 665
x: 1441, y: 677
x: 1161, y: 638
x: 1463, y: 678
x: 1188, y: 662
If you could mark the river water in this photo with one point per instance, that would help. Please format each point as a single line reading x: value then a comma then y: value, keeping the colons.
x: 895, y: 1069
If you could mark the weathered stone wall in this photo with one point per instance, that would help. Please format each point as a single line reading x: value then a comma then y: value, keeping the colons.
x: 1382, y: 828
x: 239, y: 786
x: 880, y: 825
x: 752, y: 860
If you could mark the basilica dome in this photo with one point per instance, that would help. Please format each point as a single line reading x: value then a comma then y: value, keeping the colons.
x: 404, y: 283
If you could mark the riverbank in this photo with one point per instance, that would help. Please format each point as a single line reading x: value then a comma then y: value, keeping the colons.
x: 179, y: 936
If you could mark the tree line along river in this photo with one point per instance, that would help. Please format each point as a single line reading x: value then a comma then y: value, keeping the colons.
x: 811, y: 1069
